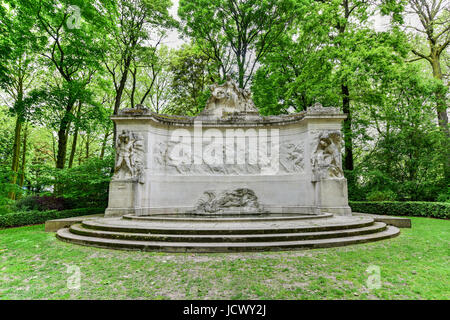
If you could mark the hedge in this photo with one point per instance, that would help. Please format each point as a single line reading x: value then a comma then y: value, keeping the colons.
x: 408, y: 208
x: 23, y: 218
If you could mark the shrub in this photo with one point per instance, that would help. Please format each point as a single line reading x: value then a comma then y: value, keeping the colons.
x: 407, y: 208
x: 385, y: 195
x: 82, y: 186
x: 444, y: 197
x: 24, y: 218
x: 43, y: 203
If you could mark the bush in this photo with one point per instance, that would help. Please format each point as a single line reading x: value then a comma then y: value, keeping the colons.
x: 82, y: 186
x: 444, y: 197
x: 385, y: 195
x: 43, y: 203
x: 24, y: 218
x: 408, y: 208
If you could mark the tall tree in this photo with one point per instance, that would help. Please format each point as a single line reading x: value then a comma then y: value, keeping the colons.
x: 349, y: 22
x: 244, y: 30
x: 131, y: 23
x: 22, y: 70
x: 191, y: 74
x: 434, y: 17
x: 72, y: 50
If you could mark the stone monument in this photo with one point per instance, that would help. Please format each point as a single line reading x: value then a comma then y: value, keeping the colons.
x: 227, y: 180
x: 228, y: 160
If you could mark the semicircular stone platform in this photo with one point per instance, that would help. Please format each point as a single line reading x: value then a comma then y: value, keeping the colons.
x: 185, y: 233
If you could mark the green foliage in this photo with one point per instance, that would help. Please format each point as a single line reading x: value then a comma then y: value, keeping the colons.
x: 24, y: 218
x: 191, y: 75
x: 408, y: 208
x: 385, y: 195
x: 236, y: 33
x: 406, y: 153
x: 6, y: 205
x: 445, y: 196
x: 85, y: 185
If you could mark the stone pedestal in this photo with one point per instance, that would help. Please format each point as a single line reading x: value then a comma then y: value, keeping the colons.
x: 333, y: 196
x: 122, y: 198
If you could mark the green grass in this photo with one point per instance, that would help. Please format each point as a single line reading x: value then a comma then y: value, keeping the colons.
x: 415, y: 265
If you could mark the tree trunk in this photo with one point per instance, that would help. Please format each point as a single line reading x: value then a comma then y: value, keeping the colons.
x: 119, y: 91
x: 62, y: 137
x: 62, y: 146
x: 75, y: 138
x: 16, y: 155
x: 442, y: 114
x: 87, y: 146
x: 24, y: 157
x: 348, y: 136
x: 105, y: 140
x: 17, y: 131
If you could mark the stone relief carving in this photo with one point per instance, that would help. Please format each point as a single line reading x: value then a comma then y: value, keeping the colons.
x: 164, y: 160
x: 326, y: 161
x: 130, y: 157
x: 241, y: 200
x: 291, y: 160
x: 228, y: 98
x: 292, y: 157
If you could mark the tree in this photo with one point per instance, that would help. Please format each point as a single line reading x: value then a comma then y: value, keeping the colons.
x: 298, y: 71
x: 243, y: 31
x: 22, y: 69
x: 130, y: 23
x: 191, y: 74
x: 73, y: 51
x: 434, y: 17
x: 399, y: 137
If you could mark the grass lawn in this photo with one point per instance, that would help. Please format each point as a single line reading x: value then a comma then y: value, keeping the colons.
x: 415, y: 265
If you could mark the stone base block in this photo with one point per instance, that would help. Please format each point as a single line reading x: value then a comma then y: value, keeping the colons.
x: 333, y: 196
x: 122, y: 198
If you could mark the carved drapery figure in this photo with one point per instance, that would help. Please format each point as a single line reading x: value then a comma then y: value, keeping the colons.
x: 130, y: 157
x: 326, y: 160
x: 243, y: 199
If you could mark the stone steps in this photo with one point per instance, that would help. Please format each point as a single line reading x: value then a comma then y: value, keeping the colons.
x: 197, y: 219
x: 78, y: 229
x: 203, y: 228
x: 66, y: 235
x: 203, y: 234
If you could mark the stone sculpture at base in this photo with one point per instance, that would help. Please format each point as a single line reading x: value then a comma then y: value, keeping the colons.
x: 239, y: 201
x: 228, y: 159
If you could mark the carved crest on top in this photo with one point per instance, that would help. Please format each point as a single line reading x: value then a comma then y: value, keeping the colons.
x: 318, y: 108
x: 227, y: 99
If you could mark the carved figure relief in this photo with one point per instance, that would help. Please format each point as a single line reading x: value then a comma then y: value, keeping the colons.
x: 239, y: 200
x: 326, y: 159
x: 291, y: 160
x: 164, y: 161
x: 130, y: 157
x: 229, y: 99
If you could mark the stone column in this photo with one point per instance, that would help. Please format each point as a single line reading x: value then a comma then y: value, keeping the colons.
x: 324, y: 135
x: 122, y: 199
x: 124, y: 189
